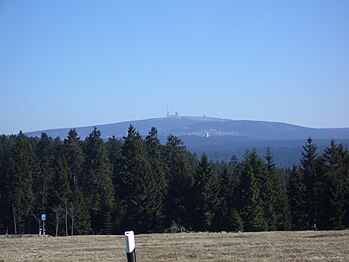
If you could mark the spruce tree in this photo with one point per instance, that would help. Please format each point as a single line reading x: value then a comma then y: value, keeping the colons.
x: 4, y: 159
x: 312, y: 181
x: 205, y: 195
x: 2, y: 179
x: 281, y: 206
x: 332, y: 204
x: 179, y: 176
x: 346, y: 187
x: 21, y: 197
x: 267, y: 191
x: 155, y: 153
x: 114, y: 150
x: 275, y: 202
x: 141, y: 202
x: 79, y: 213
x: 44, y: 173
x: 226, y: 217
x: 60, y: 192
x: 97, y: 181
x: 74, y: 154
x: 251, y: 204
x: 3, y: 141
x: 297, y: 199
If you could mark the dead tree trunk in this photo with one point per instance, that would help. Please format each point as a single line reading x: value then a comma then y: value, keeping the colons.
x: 71, y: 210
x: 57, y: 210
x: 14, y: 218
x: 66, y: 216
x: 38, y: 219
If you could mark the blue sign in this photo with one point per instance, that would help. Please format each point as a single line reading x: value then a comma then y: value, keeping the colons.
x: 43, y: 217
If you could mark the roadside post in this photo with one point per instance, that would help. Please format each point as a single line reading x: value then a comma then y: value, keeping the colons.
x: 130, y: 246
x: 43, y: 219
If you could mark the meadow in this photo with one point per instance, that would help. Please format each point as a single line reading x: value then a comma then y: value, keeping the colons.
x: 262, y: 246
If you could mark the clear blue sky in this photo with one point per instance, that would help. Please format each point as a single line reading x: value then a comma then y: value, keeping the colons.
x: 77, y: 63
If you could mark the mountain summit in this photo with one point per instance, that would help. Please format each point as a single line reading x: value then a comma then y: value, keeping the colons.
x: 222, y: 138
x: 208, y: 127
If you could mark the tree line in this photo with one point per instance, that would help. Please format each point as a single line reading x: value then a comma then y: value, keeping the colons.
x: 135, y: 183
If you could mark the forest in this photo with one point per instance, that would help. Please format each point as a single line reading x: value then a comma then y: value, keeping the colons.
x: 94, y: 186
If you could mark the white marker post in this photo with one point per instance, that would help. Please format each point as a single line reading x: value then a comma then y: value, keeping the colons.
x: 130, y: 246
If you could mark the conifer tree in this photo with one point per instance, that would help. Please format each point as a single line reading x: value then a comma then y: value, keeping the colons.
x: 178, y: 173
x: 73, y: 151
x: 3, y: 141
x: 6, y: 216
x: 114, y: 150
x: 155, y: 153
x: 21, y: 197
x: 226, y: 217
x: 142, y: 200
x: 346, y: 188
x: 79, y: 213
x: 275, y: 202
x: 4, y: 158
x: 221, y: 220
x: 312, y: 181
x: 251, y: 204
x: 267, y: 191
x: 332, y: 195
x: 297, y: 199
x: 97, y: 181
x: 44, y: 173
x: 205, y: 195
x: 60, y: 192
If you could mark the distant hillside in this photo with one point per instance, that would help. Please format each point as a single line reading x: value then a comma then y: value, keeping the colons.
x: 208, y: 127
x: 221, y: 138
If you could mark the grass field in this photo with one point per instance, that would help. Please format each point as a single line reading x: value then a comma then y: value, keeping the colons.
x: 265, y: 246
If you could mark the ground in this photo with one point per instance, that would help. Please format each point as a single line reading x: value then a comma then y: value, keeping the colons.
x: 264, y: 246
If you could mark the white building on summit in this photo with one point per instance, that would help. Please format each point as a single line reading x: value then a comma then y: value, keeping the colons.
x: 168, y: 113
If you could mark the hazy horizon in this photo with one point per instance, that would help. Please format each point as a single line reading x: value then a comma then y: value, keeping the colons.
x: 172, y: 116
x: 164, y: 116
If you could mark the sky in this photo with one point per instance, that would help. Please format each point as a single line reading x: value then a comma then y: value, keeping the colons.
x: 81, y: 63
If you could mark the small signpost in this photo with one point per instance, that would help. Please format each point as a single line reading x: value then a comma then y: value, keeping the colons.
x: 130, y: 246
x: 43, y: 219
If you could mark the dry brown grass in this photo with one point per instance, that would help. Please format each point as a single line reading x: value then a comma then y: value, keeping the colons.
x: 266, y: 246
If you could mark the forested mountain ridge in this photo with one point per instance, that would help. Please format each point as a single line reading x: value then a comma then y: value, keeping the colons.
x: 222, y: 138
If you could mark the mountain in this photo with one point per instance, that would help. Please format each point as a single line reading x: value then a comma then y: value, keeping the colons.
x: 208, y: 127
x: 221, y: 138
